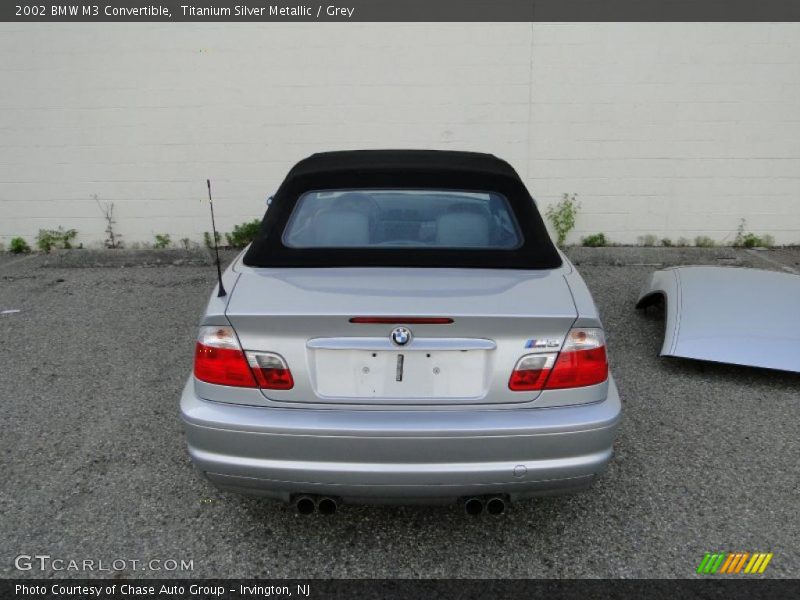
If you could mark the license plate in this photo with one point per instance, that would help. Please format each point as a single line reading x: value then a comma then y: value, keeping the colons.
x: 400, y: 374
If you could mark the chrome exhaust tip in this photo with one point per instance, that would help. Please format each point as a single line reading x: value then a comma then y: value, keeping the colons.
x: 327, y: 505
x: 473, y: 506
x: 304, y: 505
x: 495, y: 506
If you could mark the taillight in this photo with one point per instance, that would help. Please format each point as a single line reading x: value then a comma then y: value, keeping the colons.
x: 219, y: 359
x: 581, y: 362
x: 270, y: 370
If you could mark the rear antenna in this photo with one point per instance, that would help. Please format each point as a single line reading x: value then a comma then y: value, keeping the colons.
x: 222, y: 291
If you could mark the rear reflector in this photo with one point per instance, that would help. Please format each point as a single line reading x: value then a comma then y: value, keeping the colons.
x: 581, y: 362
x: 531, y: 372
x: 402, y: 320
x: 270, y: 370
x: 218, y: 358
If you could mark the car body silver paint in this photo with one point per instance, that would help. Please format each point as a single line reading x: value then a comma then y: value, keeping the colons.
x: 588, y: 315
x: 728, y: 314
x: 399, y: 456
x: 279, y: 443
x: 281, y: 309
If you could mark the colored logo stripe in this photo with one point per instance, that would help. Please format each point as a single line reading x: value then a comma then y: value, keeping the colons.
x: 732, y: 562
x: 740, y: 563
x: 758, y: 563
x: 711, y: 562
x: 726, y: 566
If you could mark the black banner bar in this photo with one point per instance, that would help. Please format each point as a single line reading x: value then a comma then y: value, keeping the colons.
x: 711, y: 588
x: 401, y: 10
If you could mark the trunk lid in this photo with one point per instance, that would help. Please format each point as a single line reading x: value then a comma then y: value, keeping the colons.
x: 304, y: 315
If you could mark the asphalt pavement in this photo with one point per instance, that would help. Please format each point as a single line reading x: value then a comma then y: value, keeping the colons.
x: 94, y: 465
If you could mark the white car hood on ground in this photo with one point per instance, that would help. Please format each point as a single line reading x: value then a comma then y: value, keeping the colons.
x: 729, y: 315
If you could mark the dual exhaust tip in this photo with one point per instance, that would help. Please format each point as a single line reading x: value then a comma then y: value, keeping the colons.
x: 493, y: 505
x: 306, y: 504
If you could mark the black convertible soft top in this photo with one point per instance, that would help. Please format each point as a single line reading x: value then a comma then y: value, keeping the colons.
x: 404, y: 169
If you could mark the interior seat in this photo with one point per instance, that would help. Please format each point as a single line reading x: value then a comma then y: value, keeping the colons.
x: 340, y: 227
x: 462, y: 230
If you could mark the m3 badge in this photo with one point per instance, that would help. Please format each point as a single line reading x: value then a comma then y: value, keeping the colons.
x: 543, y: 343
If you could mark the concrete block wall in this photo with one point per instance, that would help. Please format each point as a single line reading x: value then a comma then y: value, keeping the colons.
x: 665, y: 128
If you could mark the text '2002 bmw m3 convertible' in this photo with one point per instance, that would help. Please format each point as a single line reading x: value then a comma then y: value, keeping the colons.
x: 402, y: 329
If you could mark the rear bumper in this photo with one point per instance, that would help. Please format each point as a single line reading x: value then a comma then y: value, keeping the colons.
x: 399, y: 455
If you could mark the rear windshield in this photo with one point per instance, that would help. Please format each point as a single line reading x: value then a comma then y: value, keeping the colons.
x: 407, y: 218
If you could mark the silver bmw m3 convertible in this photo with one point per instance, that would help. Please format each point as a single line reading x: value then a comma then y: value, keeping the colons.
x: 402, y: 329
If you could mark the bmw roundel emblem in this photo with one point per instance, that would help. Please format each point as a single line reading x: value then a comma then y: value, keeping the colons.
x: 401, y: 336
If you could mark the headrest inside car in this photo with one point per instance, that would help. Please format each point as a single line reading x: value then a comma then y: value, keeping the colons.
x: 462, y: 230
x: 340, y: 227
